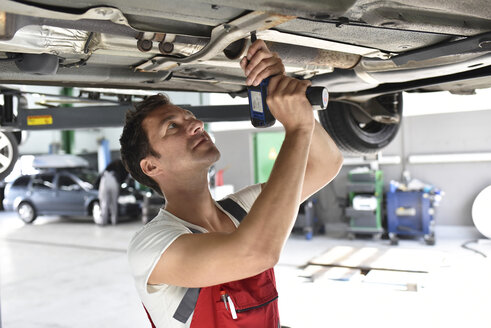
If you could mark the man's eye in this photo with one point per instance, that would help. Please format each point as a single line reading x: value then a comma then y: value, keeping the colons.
x: 171, y: 126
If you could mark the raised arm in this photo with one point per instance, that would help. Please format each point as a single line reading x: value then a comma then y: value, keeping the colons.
x: 325, y: 159
x: 324, y: 162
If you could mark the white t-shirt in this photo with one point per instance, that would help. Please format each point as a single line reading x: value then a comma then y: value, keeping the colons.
x: 148, y: 244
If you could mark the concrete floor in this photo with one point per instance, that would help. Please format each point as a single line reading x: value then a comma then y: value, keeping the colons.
x: 63, y: 272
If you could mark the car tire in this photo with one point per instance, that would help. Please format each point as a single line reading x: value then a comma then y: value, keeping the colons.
x: 26, y: 212
x: 9, y: 152
x: 353, y: 136
x: 96, y: 213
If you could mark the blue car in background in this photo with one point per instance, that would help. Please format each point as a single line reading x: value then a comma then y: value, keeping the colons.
x: 67, y: 192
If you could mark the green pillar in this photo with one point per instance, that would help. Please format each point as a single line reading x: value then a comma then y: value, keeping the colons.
x: 67, y: 136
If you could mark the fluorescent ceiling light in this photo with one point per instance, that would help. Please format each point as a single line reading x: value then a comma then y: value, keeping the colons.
x: 450, y: 158
x: 384, y: 160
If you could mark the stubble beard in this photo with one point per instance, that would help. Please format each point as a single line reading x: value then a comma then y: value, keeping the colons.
x: 211, y: 156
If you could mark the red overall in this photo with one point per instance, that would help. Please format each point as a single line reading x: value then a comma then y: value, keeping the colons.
x: 248, y: 303
x: 255, y: 300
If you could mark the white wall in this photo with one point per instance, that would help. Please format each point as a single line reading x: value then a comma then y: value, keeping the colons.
x: 37, y: 142
x: 236, y: 149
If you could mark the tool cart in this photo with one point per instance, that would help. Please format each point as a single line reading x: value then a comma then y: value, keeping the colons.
x: 412, y: 213
x: 307, y: 222
x: 365, y: 193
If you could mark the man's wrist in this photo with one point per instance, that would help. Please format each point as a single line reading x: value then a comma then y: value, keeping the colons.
x: 303, y: 130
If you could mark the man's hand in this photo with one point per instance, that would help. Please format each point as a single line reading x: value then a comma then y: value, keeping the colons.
x: 286, y: 96
x: 259, y: 63
x: 288, y: 103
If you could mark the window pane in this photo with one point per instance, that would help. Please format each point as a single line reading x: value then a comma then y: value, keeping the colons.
x: 43, y: 181
x: 22, y: 181
x: 67, y: 183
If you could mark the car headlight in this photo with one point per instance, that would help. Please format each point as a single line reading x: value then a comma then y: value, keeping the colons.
x: 127, y: 199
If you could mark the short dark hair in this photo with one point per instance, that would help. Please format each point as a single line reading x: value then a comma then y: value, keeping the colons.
x: 135, y: 145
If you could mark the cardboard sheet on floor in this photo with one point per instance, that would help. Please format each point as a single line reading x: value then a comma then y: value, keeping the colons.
x: 407, y: 281
x: 319, y: 272
x: 383, y: 258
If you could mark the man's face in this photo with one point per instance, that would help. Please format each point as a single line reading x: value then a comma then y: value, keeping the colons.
x: 180, y: 140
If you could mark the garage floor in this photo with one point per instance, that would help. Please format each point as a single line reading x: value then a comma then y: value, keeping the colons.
x: 63, y: 272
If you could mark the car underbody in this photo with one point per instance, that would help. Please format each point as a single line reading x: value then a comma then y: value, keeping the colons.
x: 195, y: 45
x: 365, y: 52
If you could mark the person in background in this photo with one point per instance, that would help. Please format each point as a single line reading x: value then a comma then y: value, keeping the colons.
x: 112, y: 178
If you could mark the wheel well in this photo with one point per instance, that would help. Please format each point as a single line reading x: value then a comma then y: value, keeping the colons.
x: 25, y: 202
x: 91, y: 206
x: 353, y: 133
x: 18, y: 136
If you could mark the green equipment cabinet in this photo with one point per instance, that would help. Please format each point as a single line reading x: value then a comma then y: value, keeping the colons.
x: 365, y: 191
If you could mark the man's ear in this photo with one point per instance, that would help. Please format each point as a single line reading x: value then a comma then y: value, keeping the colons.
x: 149, y: 166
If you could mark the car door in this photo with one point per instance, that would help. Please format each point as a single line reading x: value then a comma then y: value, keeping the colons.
x: 42, y: 193
x: 70, y: 196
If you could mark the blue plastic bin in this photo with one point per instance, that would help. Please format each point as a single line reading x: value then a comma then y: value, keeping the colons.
x: 410, y: 213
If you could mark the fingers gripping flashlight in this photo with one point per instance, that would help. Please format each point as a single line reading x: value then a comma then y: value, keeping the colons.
x: 259, y: 112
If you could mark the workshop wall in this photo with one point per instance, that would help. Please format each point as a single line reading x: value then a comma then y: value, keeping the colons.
x: 455, y: 133
x: 236, y: 150
x: 87, y: 141
x: 237, y: 155
x: 451, y: 134
x: 38, y: 142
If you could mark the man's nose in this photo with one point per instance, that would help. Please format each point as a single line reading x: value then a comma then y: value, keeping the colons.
x: 195, y: 126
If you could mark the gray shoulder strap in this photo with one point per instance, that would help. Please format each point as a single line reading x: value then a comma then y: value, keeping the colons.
x: 233, y: 208
x: 194, y: 230
x: 187, y: 305
x: 190, y: 298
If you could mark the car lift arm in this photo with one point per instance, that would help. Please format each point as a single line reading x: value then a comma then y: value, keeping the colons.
x: 67, y: 118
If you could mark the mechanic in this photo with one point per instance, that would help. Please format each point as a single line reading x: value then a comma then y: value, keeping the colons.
x: 110, y: 183
x: 194, y: 265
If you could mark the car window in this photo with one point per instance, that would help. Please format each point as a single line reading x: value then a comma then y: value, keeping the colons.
x: 88, y: 177
x: 67, y: 183
x: 21, y: 182
x: 43, y: 181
